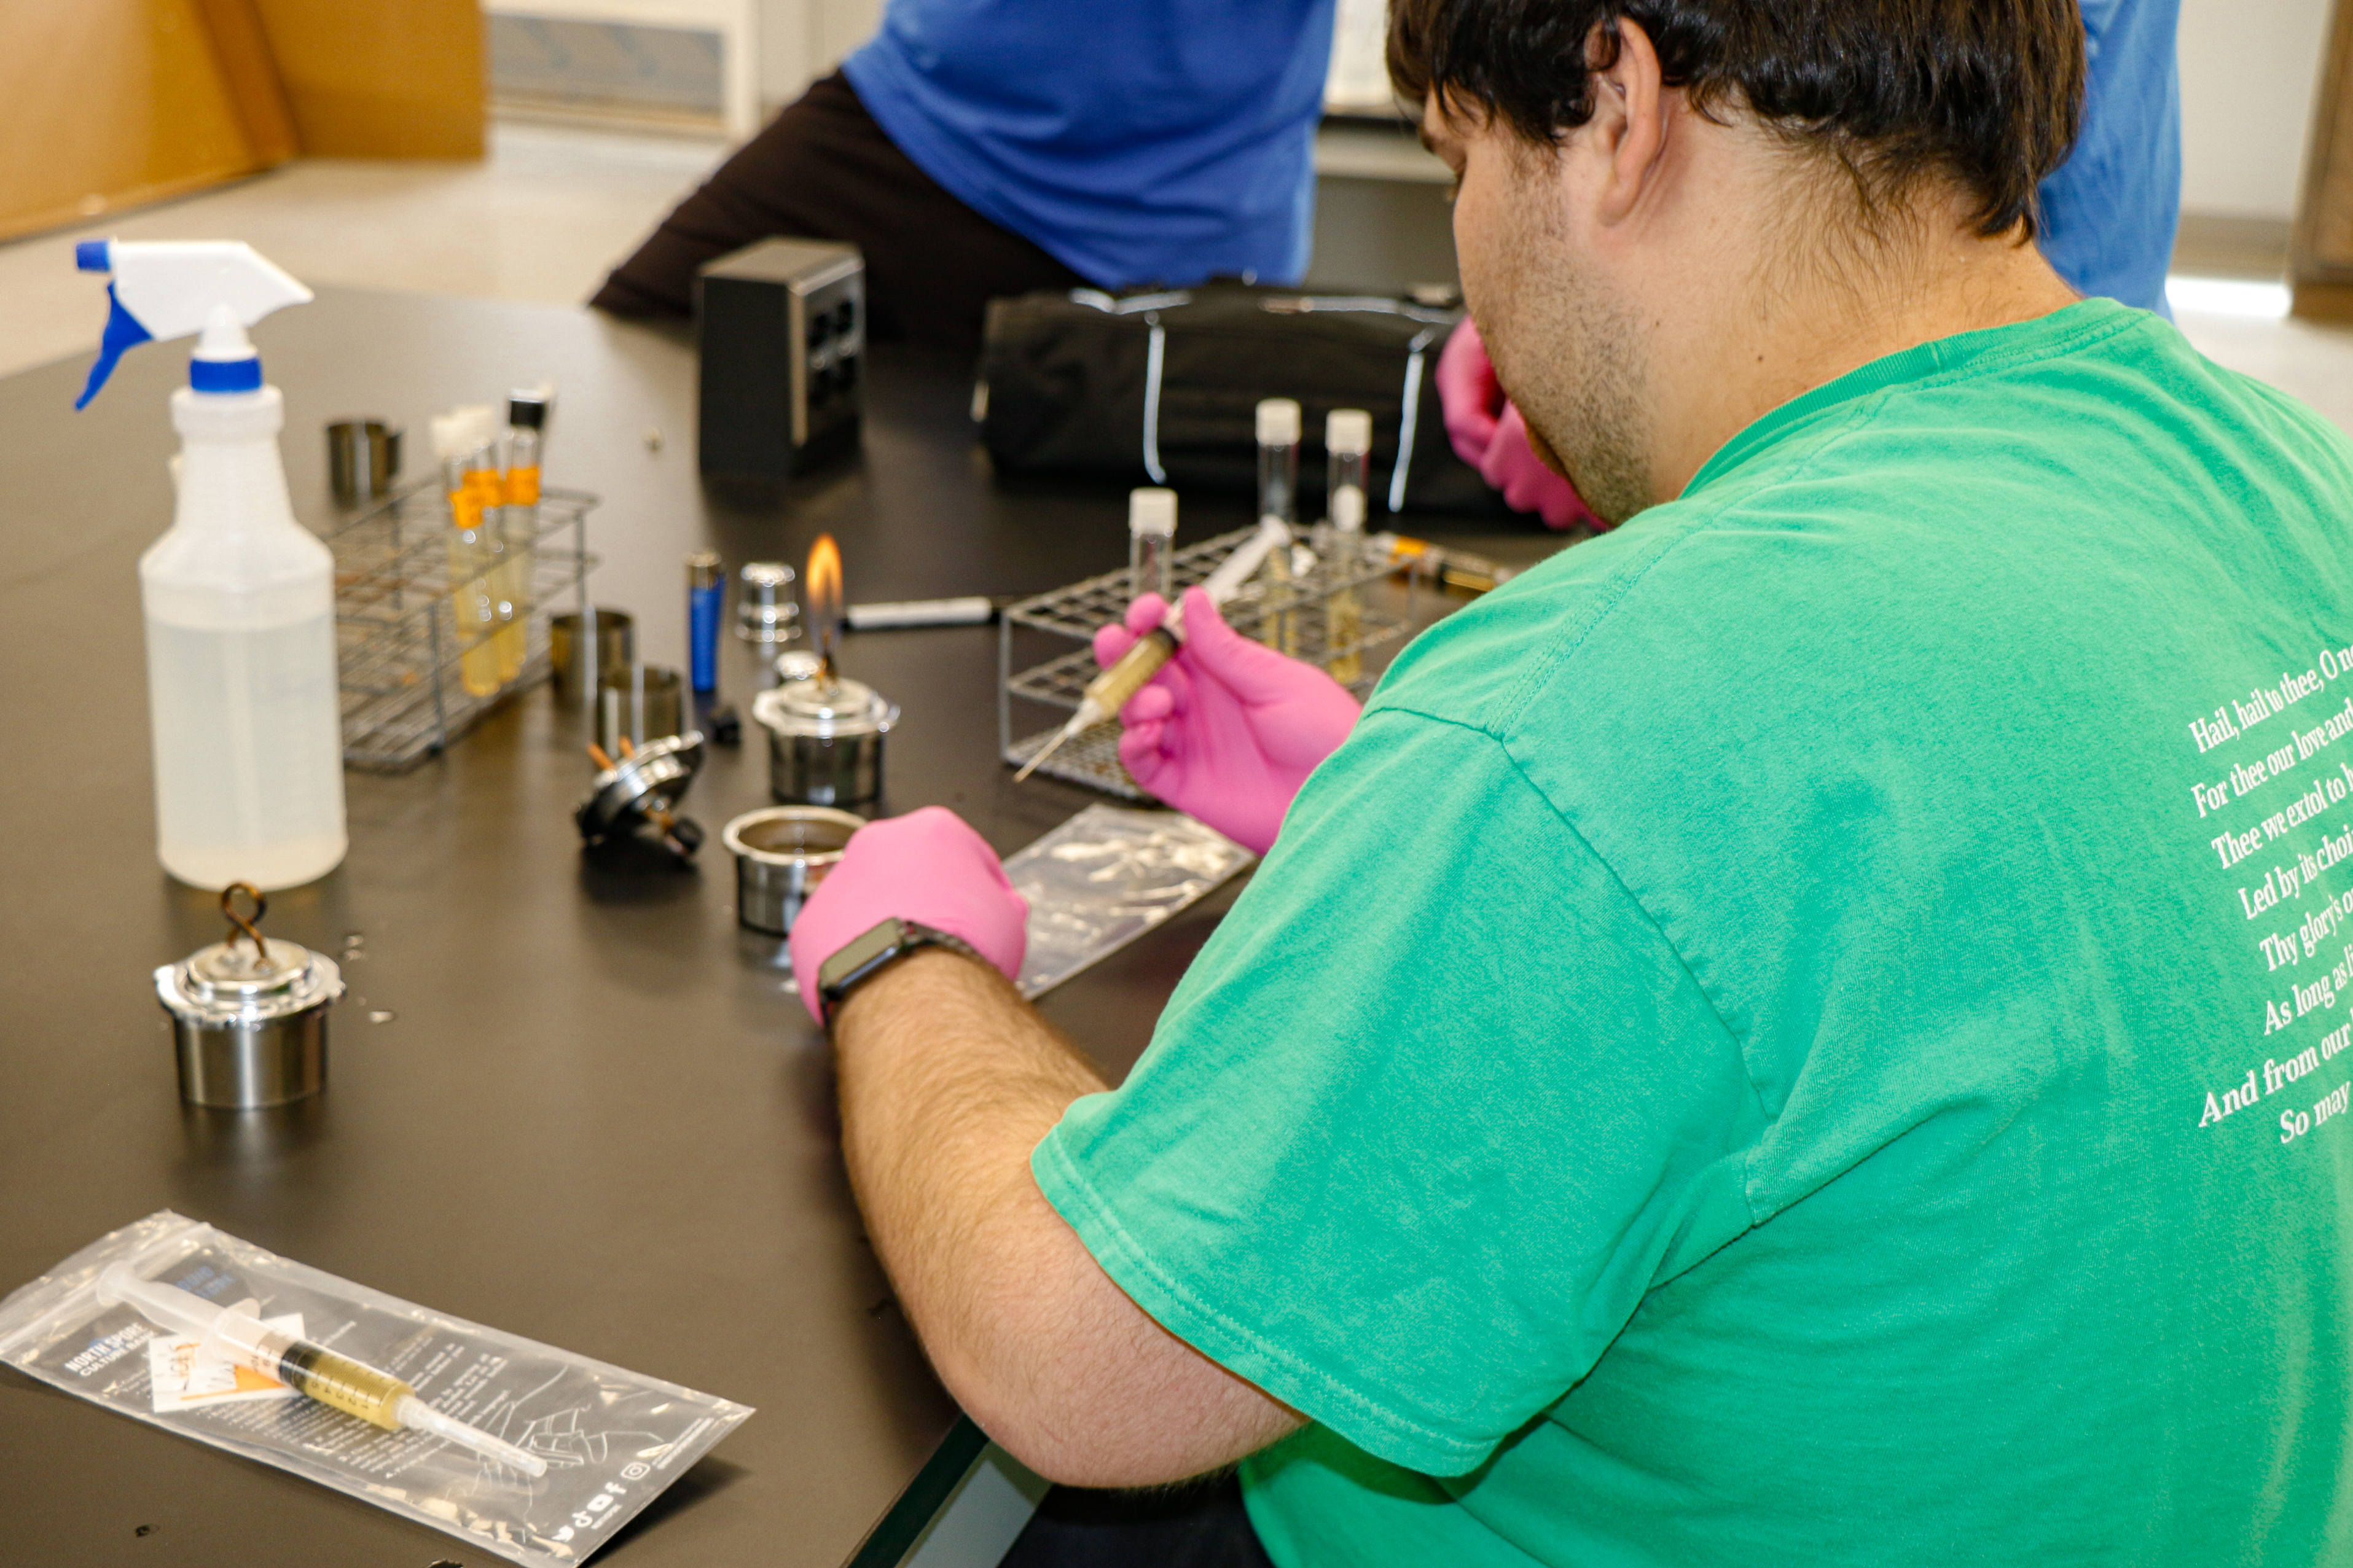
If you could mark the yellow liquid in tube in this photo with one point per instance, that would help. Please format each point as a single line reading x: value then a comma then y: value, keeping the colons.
x: 351, y: 1388
x: 519, y: 523
x: 475, y: 562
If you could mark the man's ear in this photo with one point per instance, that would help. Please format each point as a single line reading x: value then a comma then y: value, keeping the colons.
x: 1629, y: 128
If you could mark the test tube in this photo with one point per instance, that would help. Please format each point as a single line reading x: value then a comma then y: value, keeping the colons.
x: 526, y: 440
x: 706, y: 587
x: 1344, y: 614
x: 1278, y: 460
x: 1278, y: 498
x: 1151, y: 543
x: 462, y: 441
x: 1347, y: 447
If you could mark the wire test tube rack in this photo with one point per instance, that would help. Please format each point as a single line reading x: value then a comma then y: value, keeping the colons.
x: 397, y: 642
x: 1299, y: 613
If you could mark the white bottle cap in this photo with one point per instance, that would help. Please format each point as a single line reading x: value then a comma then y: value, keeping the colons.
x: 1152, y: 511
x: 464, y: 430
x: 1348, y: 430
x: 1349, y: 510
x: 1278, y: 422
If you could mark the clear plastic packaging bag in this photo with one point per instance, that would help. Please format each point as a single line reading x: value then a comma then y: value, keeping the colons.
x: 1106, y: 877
x: 612, y: 1440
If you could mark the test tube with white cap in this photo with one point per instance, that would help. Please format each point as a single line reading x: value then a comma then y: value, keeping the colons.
x: 238, y: 1335
x: 1278, y: 498
x: 1347, y: 448
x: 1151, y: 543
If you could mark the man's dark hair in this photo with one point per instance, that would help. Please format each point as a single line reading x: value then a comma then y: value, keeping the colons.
x: 1984, y: 93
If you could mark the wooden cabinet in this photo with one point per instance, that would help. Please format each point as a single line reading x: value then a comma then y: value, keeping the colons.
x: 2320, y: 255
x: 106, y: 104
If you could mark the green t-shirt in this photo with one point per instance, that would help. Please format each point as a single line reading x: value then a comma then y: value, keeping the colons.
x: 1808, y: 1029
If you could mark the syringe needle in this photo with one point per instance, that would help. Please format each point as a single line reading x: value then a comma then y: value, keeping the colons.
x: 1045, y: 751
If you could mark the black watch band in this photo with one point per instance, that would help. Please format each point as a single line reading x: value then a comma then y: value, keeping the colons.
x: 863, y: 957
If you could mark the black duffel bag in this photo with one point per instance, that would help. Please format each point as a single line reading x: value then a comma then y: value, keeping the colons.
x: 1163, y: 388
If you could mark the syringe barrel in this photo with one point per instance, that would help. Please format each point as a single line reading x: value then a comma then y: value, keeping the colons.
x: 1132, y: 670
x: 350, y: 1386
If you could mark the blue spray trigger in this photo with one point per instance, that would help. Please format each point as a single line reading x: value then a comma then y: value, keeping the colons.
x: 89, y: 256
x: 122, y: 331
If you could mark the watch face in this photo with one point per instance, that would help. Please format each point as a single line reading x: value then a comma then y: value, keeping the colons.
x: 849, y: 960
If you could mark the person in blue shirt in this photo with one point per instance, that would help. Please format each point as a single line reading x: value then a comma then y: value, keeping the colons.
x: 979, y: 148
x: 2109, y: 212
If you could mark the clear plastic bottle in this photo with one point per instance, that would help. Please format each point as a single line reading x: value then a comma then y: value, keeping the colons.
x: 240, y: 610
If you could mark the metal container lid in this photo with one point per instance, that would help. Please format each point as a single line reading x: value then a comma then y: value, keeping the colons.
x: 825, y: 709
x: 781, y: 835
x: 248, y: 979
x: 650, y: 779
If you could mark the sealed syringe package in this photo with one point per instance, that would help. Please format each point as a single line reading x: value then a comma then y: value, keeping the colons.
x: 603, y: 1442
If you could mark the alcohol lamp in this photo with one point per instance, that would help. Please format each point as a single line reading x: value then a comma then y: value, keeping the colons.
x: 825, y: 739
x: 250, y: 1013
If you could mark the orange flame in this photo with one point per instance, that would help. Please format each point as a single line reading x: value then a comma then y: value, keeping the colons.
x: 822, y: 582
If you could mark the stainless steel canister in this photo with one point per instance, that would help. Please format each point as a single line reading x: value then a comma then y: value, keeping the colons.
x: 764, y: 609
x: 642, y: 704
x: 568, y: 655
x: 363, y: 460
x: 249, y: 1021
x: 825, y: 740
x: 782, y: 853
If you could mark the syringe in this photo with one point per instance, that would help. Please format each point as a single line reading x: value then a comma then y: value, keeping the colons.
x: 238, y: 1335
x: 1109, y: 692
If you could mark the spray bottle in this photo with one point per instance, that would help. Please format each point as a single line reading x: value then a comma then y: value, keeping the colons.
x: 240, y: 597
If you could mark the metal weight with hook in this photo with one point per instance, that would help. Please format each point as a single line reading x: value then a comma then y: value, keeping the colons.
x: 243, y: 925
x: 249, y: 1013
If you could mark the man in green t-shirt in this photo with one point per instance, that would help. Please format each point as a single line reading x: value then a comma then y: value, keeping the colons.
x: 1812, y: 1028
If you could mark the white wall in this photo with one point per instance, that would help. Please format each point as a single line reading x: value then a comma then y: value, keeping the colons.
x: 2249, y: 72
x: 800, y: 40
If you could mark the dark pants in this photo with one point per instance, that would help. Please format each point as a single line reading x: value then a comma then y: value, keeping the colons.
x: 1201, y: 1525
x: 823, y: 170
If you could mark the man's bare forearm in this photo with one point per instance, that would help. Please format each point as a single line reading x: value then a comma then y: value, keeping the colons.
x: 949, y: 1079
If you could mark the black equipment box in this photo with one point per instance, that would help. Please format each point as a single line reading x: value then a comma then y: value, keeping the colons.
x: 1162, y: 387
x: 780, y: 330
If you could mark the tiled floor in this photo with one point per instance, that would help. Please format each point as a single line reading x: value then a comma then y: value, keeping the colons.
x: 552, y: 206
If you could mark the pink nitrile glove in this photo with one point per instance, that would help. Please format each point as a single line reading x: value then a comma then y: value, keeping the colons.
x: 1229, y: 729
x: 1470, y: 398
x: 1489, y: 433
x: 928, y: 866
x: 1513, y: 467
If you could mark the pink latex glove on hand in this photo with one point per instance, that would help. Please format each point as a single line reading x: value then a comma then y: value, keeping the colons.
x: 1488, y: 433
x: 926, y: 866
x: 1229, y: 729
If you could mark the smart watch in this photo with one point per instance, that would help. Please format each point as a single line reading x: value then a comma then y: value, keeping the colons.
x: 863, y: 958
